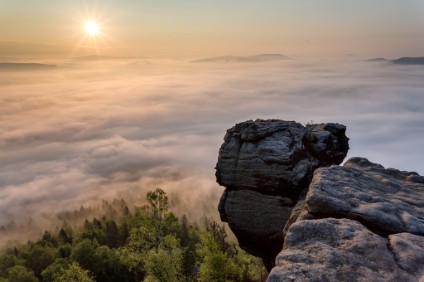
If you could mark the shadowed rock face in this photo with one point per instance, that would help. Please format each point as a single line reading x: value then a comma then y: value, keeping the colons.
x: 265, y: 165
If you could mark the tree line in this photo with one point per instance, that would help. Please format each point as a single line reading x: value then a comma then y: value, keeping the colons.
x: 148, y: 244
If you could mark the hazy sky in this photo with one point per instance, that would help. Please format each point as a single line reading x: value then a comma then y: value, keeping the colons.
x: 195, y: 28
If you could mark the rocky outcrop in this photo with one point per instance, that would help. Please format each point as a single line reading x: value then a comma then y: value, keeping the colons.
x: 277, y: 157
x: 285, y: 200
x: 335, y: 250
x: 387, y: 201
x: 265, y: 165
x: 378, y: 233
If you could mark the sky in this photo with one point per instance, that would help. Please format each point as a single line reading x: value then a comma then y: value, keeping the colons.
x: 145, y: 115
x: 197, y: 28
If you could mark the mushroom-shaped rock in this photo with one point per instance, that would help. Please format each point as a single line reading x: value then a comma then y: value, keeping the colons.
x: 265, y: 165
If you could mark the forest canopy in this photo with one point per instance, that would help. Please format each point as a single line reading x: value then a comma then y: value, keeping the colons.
x: 147, y: 244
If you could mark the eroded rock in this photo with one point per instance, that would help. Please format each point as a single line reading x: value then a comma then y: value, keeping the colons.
x: 276, y: 156
x: 408, y: 250
x: 257, y: 219
x: 265, y: 165
x: 358, y: 222
x: 387, y: 201
x: 336, y: 250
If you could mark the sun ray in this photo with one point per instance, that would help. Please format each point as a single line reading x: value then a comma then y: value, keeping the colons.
x: 91, y: 32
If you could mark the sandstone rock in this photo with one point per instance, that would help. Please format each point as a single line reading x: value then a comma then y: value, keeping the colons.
x: 276, y: 156
x: 359, y: 222
x: 387, y: 201
x: 265, y: 165
x: 257, y: 219
x: 408, y: 250
x: 337, y: 250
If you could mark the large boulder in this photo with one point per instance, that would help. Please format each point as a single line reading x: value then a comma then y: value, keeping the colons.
x: 265, y: 166
x: 276, y: 156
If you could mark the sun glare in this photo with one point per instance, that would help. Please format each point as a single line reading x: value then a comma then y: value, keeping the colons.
x: 91, y: 28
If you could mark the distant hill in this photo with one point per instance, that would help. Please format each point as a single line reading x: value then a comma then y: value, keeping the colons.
x: 25, y: 66
x: 409, y: 61
x: 98, y: 57
x: 377, y: 60
x: 244, y: 59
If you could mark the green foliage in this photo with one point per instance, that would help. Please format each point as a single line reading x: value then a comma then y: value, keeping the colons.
x: 19, y: 273
x: 56, y: 267
x: 222, y: 262
x: 6, y: 262
x: 148, y: 244
x: 216, y: 264
x: 158, y: 201
x: 164, y: 263
x: 64, y: 237
x: 38, y: 256
x: 73, y: 273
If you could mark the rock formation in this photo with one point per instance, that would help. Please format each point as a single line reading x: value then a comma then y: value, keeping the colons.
x: 265, y: 165
x: 288, y: 202
x: 386, y: 201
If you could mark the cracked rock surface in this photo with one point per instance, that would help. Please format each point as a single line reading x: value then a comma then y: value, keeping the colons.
x: 265, y: 165
x: 359, y: 222
x: 408, y: 250
x: 387, y: 201
x: 276, y: 156
x: 336, y: 250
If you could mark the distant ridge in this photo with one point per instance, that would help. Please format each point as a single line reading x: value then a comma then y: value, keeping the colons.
x: 409, y: 61
x: 243, y: 59
x: 98, y: 57
x: 377, y: 60
x: 25, y: 66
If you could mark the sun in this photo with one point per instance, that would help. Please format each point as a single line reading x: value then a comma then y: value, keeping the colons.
x: 91, y: 28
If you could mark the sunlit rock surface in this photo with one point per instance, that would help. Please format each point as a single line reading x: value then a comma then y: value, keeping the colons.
x: 387, y: 201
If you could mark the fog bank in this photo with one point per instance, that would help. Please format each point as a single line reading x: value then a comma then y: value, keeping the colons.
x: 88, y: 131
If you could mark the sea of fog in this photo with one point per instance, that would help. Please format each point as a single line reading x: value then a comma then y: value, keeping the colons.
x: 92, y: 130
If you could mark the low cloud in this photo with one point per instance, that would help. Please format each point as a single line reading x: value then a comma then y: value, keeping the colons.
x: 110, y: 129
